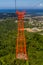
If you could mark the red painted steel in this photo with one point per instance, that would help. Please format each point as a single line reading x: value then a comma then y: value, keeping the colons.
x: 21, y: 42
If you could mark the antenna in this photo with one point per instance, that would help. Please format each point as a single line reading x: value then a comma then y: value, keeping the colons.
x: 15, y: 5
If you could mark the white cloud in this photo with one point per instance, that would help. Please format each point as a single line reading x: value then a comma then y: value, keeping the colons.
x: 41, y: 5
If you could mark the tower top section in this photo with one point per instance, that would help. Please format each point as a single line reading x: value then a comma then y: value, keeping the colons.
x: 20, y: 14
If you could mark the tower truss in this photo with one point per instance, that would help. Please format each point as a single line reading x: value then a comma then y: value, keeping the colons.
x: 21, y: 42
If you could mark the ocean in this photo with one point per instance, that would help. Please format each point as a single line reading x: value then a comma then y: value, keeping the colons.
x: 28, y: 11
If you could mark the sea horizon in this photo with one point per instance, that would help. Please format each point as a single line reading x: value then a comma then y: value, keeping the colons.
x: 28, y: 11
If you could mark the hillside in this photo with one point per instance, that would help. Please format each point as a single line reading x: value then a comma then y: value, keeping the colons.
x: 8, y: 35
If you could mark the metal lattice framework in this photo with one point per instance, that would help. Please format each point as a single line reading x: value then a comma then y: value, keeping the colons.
x: 21, y: 42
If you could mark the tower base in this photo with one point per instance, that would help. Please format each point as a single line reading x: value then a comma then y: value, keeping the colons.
x: 21, y: 56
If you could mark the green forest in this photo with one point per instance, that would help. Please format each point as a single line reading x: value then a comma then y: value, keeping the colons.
x: 8, y: 35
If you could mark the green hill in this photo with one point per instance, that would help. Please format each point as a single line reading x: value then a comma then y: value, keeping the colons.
x: 8, y: 35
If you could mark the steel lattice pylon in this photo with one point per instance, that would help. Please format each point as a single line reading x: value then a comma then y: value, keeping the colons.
x: 21, y: 42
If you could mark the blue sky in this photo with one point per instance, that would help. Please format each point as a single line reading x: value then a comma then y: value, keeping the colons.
x: 10, y: 4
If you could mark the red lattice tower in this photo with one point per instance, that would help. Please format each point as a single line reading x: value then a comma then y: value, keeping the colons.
x: 21, y: 43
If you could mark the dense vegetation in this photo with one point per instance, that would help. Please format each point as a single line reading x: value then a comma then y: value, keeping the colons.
x: 8, y: 35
